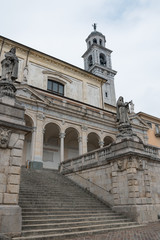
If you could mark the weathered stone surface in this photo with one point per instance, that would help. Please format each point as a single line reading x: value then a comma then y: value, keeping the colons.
x: 1, y: 198
x: 14, y: 170
x: 14, y: 138
x: 2, y: 188
x: 10, y: 219
x: 10, y: 198
x: 12, y: 188
x: 3, y: 178
x: 16, y: 152
x: 14, y: 179
x: 17, y: 161
x: 4, y: 157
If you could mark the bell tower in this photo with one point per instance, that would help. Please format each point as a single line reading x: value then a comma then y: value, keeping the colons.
x: 97, y: 60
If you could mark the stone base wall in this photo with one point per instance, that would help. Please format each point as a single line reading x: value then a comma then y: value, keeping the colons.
x: 12, y: 132
x: 125, y: 175
x: 10, y: 220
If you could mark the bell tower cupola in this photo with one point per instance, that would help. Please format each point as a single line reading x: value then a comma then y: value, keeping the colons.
x: 97, y: 60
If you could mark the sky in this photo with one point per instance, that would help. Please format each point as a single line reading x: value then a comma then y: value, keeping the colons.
x: 59, y: 28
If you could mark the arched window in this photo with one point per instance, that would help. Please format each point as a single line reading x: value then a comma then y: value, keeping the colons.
x: 100, y: 41
x: 55, y: 87
x: 90, y: 61
x: 95, y: 40
x: 102, y: 59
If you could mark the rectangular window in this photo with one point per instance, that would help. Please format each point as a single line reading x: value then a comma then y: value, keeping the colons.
x: 49, y: 85
x: 55, y: 87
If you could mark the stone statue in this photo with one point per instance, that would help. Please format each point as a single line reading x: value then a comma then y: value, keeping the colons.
x: 122, y: 111
x: 10, y: 66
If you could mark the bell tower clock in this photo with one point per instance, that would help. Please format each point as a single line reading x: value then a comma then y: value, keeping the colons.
x: 97, y: 60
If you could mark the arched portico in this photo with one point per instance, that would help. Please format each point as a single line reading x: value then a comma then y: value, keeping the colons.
x: 71, y: 143
x: 92, y: 142
x: 51, y: 146
x: 108, y: 140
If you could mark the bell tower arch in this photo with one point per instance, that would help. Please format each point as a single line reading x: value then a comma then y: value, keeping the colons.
x: 97, y: 60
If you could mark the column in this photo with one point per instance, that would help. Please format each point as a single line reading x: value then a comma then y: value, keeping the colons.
x: 80, y: 145
x: 38, y: 144
x: 101, y: 143
x: 62, y: 136
x: 33, y: 143
x: 84, y: 139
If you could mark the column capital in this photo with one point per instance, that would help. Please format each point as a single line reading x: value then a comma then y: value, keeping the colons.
x: 101, y: 143
x: 79, y: 139
x: 62, y: 135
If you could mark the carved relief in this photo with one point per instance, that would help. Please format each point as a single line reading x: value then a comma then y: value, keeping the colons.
x: 5, y: 135
x: 121, y: 164
x: 140, y: 164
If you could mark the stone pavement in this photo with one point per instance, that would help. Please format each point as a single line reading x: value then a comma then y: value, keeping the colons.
x: 149, y: 232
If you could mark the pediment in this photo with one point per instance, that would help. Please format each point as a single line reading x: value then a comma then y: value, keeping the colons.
x: 27, y: 92
x: 138, y: 121
x: 57, y: 75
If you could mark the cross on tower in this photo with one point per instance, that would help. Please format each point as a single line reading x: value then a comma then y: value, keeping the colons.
x: 94, y: 26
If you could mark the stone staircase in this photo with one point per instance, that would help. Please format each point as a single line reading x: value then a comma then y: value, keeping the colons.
x: 53, y: 207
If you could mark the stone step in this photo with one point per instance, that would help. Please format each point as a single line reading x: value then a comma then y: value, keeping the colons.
x: 53, y: 207
x: 70, y: 224
x: 65, y: 212
x: 85, y: 209
x: 60, y: 216
x: 73, y: 219
x: 77, y: 228
x: 71, y: 235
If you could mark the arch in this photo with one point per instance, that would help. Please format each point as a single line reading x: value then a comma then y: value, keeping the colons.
x: 94, y: 40
x: 90, y: 61
x: 27, y: 147
x: 108, y: 140
x: 54, y: 122
x: 102, y: 59
x: 93, y: 141
x: 71, y: 145
x: 51, y: 146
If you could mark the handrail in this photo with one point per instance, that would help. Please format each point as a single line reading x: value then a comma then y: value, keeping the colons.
x: 88, y: 180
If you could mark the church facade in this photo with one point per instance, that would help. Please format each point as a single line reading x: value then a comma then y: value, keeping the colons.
x: 71, y: 111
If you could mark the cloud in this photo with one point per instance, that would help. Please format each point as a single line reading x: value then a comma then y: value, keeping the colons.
x: 131, y: 27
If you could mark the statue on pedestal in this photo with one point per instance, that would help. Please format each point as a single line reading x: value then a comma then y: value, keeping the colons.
x: 9, y: 73
x: 122, y: 111
x: 124, y: 125
x: 10, y: 66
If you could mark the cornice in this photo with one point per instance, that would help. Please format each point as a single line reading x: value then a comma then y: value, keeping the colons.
x: 50, y: 59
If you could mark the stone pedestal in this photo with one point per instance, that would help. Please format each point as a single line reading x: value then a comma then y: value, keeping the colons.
x: 12, y: 131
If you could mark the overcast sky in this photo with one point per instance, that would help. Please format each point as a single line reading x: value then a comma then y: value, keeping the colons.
x: 60, y: 27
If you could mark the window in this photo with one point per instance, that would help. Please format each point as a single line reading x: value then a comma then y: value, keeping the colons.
x: 102, y: 59
x: 95, y: 40
x: 100, y: 41
x: 106, y: 94
x: 90, y: 61
x: 157, y: 130
x: 55, y: 87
